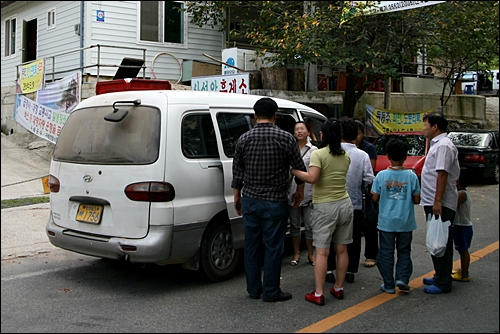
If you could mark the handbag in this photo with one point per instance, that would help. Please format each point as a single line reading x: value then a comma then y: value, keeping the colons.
x: 437, y: 235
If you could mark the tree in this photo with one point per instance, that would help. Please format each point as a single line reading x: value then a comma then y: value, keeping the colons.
x: 464, y: 38
x: 334, y: 33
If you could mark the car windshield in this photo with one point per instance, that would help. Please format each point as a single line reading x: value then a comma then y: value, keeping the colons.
x: 415, y: 142
x: 470, y: 139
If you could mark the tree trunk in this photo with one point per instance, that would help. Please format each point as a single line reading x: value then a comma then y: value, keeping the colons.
x: 255, y: 79
x: 274, y: 78
x: 296, y: 79
x: 350, y: 98
x: 353, y: 92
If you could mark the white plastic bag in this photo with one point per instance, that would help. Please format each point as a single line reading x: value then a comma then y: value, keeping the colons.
x: 437, y: 235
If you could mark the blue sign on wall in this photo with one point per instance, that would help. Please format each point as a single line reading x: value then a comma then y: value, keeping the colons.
x: 100, y: 15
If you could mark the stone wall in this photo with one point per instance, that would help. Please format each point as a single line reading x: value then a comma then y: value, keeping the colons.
x: 492, y: 111
x: 461, y: 110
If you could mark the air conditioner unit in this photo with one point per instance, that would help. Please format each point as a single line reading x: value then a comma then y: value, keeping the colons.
x: 242, y: 58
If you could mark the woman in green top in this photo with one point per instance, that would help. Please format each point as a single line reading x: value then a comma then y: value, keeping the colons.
x: 332, y: 211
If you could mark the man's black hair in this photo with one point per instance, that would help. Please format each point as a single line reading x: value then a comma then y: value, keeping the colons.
x: 361, y: 126
x: 265, y: 108
x: 349, y: 129
x: 435, y: 118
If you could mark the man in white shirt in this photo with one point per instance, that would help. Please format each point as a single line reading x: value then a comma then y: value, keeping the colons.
x: 439, y: 194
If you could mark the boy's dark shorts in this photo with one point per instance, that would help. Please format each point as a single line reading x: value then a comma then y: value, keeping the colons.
x: 462, y: 237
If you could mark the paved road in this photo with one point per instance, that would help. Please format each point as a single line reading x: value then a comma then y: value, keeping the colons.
x: 46, y: 289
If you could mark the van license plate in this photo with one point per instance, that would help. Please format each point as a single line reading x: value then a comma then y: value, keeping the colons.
x: 89, y: 213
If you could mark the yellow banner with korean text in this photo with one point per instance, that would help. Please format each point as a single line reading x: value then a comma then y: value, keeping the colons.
x: 380, y: 121
x: 31, y: 77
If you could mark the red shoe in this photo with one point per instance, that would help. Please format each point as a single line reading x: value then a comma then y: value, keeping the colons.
x: 311, y: 297
x: 337, y: 294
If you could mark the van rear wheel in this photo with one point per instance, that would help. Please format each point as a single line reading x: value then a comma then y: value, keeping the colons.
x: 219, y: 260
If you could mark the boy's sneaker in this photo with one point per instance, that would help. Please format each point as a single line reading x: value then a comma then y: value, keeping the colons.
x: 457, y: 276
x: 391, y: 291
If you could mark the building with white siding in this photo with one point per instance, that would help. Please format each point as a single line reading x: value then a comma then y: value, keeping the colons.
x: 41, y: 29
x: 100, y: 33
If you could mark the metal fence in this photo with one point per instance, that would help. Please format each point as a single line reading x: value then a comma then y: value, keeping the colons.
x: 52, y: 62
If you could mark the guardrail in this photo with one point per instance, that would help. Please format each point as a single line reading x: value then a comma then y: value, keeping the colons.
x: 97, y: 65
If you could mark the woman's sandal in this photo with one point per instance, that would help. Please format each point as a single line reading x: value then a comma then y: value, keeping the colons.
x: 310, y: 262
x: 295, y: 262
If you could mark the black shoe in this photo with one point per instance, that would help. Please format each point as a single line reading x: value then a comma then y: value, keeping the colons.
x: 349, y: 278
x: 281, y: 298
x: 330, y: 278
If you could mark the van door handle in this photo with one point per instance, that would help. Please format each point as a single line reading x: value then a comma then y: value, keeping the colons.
x: 210, y: 164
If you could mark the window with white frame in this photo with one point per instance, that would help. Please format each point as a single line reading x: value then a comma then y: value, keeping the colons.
x: 51, y: 18
x: 10, y: 36
x: 162, y: 21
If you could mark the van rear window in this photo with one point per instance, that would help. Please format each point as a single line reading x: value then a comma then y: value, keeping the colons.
x: 87, y: 138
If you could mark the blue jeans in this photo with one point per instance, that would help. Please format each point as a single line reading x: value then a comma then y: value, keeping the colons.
x: 401, y: 242
x: 264, y: 221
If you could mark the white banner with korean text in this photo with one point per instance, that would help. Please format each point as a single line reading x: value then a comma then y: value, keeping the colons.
x: 41, y: 120
x: 232, y: 83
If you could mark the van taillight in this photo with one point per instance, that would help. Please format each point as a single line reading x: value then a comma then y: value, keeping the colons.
x: 54, y: 184
x: 475, y: 158
x: 150, y: 192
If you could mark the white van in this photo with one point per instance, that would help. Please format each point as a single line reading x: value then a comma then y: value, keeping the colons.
x: 146, y: 175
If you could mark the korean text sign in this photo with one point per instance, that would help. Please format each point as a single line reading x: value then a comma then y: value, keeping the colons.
x: 43, y: 121
x: 380, y: 121
x: 31, y: 76
x: 233, y: 83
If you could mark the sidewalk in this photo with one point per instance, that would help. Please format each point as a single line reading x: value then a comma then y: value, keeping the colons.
x: 22, y: 168
x: 23, y: 228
